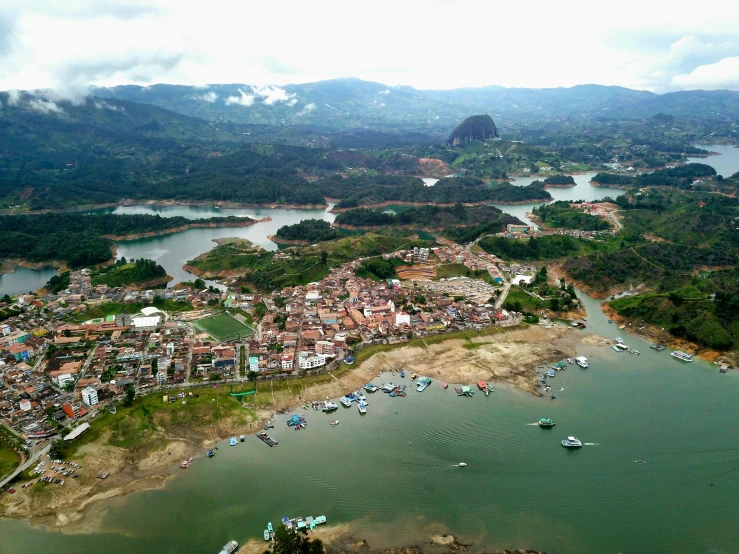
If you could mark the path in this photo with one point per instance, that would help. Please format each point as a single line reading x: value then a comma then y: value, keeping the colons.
x: 28, y: 463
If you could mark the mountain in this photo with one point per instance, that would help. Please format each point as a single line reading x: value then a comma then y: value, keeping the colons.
x: 342, y: 104
x: 476, y: 127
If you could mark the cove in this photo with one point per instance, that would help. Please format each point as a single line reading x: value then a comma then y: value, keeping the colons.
x: 393, y: 473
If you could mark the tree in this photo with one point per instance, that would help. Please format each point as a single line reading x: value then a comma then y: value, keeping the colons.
x: 252, y: 376
x: 154, y: 367
x: 289, y: 541
x: 69, y: 386
x: 56, y: 450
x: 324, y: 258
x: 554, y: 304
x: 199, y: 284
x: 130, y: 394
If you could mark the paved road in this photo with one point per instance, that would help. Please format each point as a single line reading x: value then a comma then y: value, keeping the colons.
x: 28, y: 463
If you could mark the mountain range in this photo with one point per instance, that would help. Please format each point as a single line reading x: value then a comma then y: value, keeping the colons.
x: 351, y: 103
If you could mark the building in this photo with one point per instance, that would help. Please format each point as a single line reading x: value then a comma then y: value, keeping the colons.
x: 161, y: 377
x: 305, y: 361
x: 90, y: 396
x: 420, y: 253
x: 516, y: 228
x: 254, y: 363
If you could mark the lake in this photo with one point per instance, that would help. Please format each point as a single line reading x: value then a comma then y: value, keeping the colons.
x: 394, y: 471
x: 726, y: 163
x: 24, y: 280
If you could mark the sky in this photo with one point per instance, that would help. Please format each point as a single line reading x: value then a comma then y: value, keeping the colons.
x: 433, y: 44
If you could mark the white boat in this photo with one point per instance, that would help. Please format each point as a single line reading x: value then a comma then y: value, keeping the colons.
x: 680, y: 355
x: 370, y: 387
x: 462, y: 464
x: 571, y: 442
x: 423, y: 382
x: 621, y: 345
x: 388, y: 387
x: 569, y: 361
x: 582, y: 361
x: 329, y: 406
x: 334, y: 423
x: 362, y: 407
x: 345, y: 402
x: 229, y: 547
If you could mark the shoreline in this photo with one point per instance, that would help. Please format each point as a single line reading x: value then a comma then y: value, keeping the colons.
x: 516, y: 354
x: 335, y: 210
x: 213, y: 225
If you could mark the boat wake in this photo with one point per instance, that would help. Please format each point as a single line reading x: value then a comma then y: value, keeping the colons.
x: 535, y: 423
x: 591, y: 444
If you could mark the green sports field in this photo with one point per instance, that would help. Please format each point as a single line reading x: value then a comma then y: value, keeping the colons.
x: 222, y: 327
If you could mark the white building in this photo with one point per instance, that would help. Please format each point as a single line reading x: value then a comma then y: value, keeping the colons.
x: 305, y: 361
x: 5, y: 329
x: 25, y: 405
x: 402, y: 318
x: 90, y: 396
x: 253, y: 363
x: 287, y: 362
x: 62, y: 380
x: 161, y: 377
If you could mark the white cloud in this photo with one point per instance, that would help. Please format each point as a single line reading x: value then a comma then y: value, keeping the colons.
x: 103, y: 105
x: 208, y: 97
x: 44, y: 106
x: 306, y: 110
x: 13, y: 96
x: 273, y: 94
x: 385, y: 92
x: 50, y: 44
x: 245, y: 99
x: 723, y: 74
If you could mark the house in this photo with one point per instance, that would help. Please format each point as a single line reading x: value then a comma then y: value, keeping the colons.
x: 90, y: 396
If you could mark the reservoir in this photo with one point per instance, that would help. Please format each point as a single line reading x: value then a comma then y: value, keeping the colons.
x: 726, y: 163
x: 24, y: 280
x: 394, y: 472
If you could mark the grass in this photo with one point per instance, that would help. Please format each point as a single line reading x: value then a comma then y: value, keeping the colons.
x: 528, y: 303
x: 9, y: 459
x: 460, y: 270
x: 223, y: 326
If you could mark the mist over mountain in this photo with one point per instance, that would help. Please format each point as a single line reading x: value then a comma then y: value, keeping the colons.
x: 352, y: 103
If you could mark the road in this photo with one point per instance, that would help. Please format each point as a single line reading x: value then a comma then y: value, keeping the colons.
x: 28, y: 463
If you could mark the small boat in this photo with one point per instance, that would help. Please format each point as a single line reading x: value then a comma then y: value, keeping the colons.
x: 269, y: 527
x: 358, y: 396
x: 610, y: 321
x: 413, y: 376
x: 266, y: 535
x: 658, y: 347
x: 402, y: 373
x: 388, y: 387
x: 345, y: 402
x: 232, y: 441
x: 268, y: 426
x: 369, y: 387
x: 482, y: 385
x: 616, y: 348
x: 571, y: 442
x: 569, y: 361
x: 458, y: 390
x: 334, y: 423
x: 551, y: 373
x: 362, y: 407
x: 582, y: 361
x: 462, y: 464
x: 680, y: 355
x: 640, y: 461
x: 185, y: 464
x: 266, y: 439
x: 242, y: 438
x: 329, y: 406
x: 546, y: 422
x: 466, y: 391
x: 211, y: 453
x: 446, y: 386
x: 423, y: 383
x: 229, y: 548
x: 490, y: 387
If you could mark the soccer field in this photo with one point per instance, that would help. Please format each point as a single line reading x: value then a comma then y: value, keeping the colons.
x: 223, y: 327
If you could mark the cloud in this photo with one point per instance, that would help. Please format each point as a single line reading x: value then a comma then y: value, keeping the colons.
x: 245, y: 99
x: 103, y: 105
x: 44, y: 106
x: 14, y: 96
x: 273, y: 95
x: 723, y: 74
x: 385, y: 92
x: 306, y: 110
x: 208, y: 97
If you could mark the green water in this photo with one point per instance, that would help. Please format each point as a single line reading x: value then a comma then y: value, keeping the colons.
x: 395, y: 474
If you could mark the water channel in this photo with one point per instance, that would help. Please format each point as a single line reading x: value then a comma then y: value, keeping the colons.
x: 394, y: 474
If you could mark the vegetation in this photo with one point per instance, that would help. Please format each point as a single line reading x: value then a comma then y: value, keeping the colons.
x: 289, y: 541
x: 678, y: 177
x: 560, y: 214
x: 124, y: 274
x: 560, y: 180
x: 547, y: 247
x: 77, y: 239
x: 9, y: 458
x: 309, y: 230
x: 705, y: 311
x: 378, y: 268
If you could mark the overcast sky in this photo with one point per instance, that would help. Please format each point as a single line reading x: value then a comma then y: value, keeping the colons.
x: 646, y: 44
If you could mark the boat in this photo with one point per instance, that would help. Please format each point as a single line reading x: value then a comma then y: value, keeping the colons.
x: 232, y: 441
x: 640, y: 461
x: 413, y: 376
x: 571, y: 442
x: 242, y: 438
x: 446, y: 386
x: 388, y: 387
x: 490, y: 387
x: 423, y: 383
x: 297, y: 421
x: 266, y: 535
x: 466, y: 391
x: 370, y: 387
x: 621, y: 345
x: 616, y: 348
x: 266, y: 439
x: 345, y: 402
x: 329, y: 406
x: 211, y: 453
x: 185, y: 464
x: 349, y: 360
x: 462, y: 464
x: 270, y: 528
x: 359, y: 397
x: 610, y: 321
x: 546, y: 422
x: 334, y: 423
x: 658, y: 347
x: 362, y: 407
x: 582, y: 361
x: 551, y: 373
x: 229, y: 548
x: 458, y: 390
x: 680, y: 355
x: 569, y: 361
x: 402, y: 374
x: 482, y: 385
